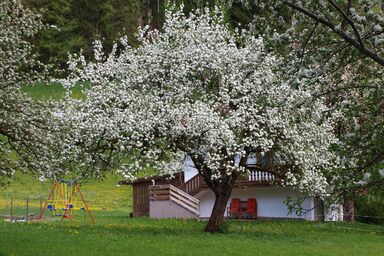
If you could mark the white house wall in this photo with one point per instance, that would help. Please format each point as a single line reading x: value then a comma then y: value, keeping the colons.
x: 270, y: 202
x: 189, y: 169
x: 168, y: 209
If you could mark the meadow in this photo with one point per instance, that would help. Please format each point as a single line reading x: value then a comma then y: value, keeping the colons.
x: 42, y: 91
x: 99, y: 194
x: 117, y: 234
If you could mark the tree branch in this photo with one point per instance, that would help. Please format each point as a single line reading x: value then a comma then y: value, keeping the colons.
x: 344, y: 22
x: 307, y: 41
x: 349, y: 39
x: 348, y: 19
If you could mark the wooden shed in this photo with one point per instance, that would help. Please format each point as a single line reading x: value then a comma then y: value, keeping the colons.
x: 141, y: 190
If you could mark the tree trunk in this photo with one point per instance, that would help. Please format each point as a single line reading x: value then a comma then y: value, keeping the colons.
x: 349, y: 210
x: 319, y: 209
x: 222, y: 195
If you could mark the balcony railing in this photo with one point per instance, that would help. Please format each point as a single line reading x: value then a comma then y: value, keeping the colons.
x: 194, y: 185
x: 254, y: 178
x: 256, y: 175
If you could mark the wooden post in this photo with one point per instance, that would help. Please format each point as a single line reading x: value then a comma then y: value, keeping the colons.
x: 46, y: 203
x: 41, y: 203
x: 349, y: 210
x: 85, y: 203
x: 26, y: 215
x: 12, y: 208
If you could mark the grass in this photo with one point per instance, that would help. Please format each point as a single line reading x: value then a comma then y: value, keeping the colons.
x: 42, y: 91
x: 116, y: 234
x: 99, y: 194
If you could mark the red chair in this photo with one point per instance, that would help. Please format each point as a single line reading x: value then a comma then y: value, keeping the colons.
x: 252, y: 207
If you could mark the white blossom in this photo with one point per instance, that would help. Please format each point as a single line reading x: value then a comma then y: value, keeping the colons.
x: 28, y: 130
x: 197, y: 89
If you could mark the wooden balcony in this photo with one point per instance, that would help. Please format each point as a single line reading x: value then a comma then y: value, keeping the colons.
x: 194, y: 185
x: 255, y: 178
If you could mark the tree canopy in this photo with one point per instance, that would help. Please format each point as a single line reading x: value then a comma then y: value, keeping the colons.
x: 198, y: 89
x: 27, y: 126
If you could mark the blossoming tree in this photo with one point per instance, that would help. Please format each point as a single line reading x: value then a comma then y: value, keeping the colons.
x: 197, y: 89
x: 27, y: 126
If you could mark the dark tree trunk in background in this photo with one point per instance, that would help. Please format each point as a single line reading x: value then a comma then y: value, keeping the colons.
x: 348, y: 211
x: 319, y: 209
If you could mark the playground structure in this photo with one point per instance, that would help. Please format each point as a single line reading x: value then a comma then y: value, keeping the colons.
x: 62, y: 201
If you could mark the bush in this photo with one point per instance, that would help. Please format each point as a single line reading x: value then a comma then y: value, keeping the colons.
x: 370, y: 209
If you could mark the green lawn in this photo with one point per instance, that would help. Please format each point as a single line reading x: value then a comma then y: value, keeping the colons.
x: 43, y: 91
x: 99, y: 194
x: 116, y: 234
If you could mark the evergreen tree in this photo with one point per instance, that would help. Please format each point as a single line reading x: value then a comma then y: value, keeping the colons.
x: 59, y: 38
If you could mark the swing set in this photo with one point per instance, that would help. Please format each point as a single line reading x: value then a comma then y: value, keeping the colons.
x: 62, y: 200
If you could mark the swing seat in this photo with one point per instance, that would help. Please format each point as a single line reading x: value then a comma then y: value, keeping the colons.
x: 70, y: 207
x: 65, y: 216
x: 51, y: 208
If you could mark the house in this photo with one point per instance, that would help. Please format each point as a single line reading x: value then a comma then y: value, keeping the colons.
x: 186, y: 195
